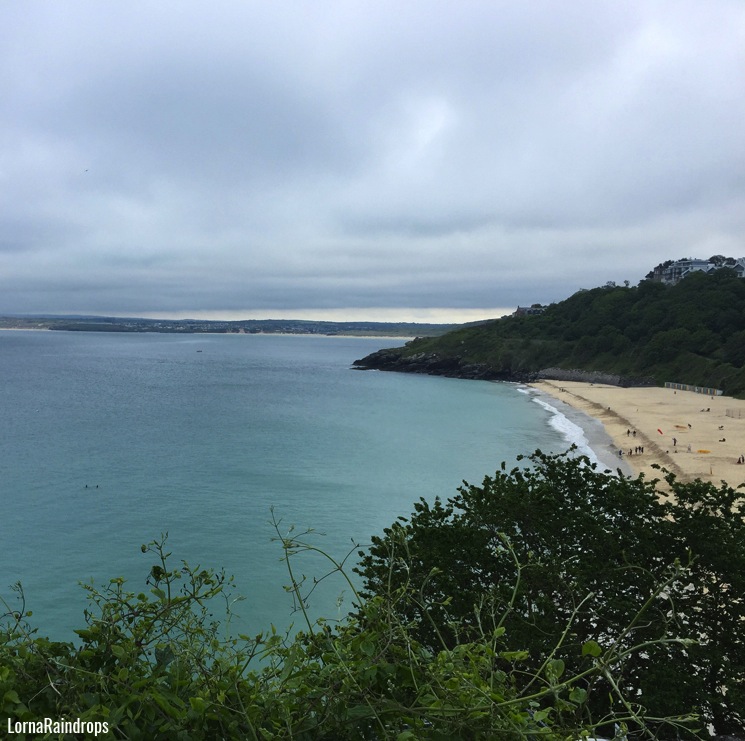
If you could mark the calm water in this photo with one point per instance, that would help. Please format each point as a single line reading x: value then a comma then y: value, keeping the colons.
x: 108, y: 440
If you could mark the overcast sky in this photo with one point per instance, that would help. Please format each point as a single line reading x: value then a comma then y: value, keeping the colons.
x: 285, y: 158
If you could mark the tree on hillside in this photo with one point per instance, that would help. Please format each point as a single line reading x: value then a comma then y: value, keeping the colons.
x: 572, y: 531
x: 651, y: 333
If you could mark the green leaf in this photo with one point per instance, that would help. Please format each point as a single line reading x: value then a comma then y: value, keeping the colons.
x: 591, y: 648
x: 118, y: 651
x: 578, y: 695
x: 11, y: 696
x: 359, y: 711
x: 367, y: 647
x: 166, y: 706
x: 289, y: 665
x: 514, y: 655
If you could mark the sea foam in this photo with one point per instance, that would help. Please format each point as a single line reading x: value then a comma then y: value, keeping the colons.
x: 574, y: 433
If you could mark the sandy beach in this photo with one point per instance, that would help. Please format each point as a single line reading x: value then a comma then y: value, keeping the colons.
x: 687, y: 433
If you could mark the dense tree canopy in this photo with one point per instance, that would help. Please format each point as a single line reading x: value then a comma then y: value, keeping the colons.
x: 560, y: 544
x: 690, y: 332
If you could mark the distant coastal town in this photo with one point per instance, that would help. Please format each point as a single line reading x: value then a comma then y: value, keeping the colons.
x: 245, y: 326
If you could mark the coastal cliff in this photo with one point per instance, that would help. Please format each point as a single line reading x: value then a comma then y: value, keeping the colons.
x: 434, y: 364
x: 691, y: 332
x: 457, y: 367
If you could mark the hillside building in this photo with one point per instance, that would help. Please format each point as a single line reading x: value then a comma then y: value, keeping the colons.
x: 674, y: 272
x: 529, y: 310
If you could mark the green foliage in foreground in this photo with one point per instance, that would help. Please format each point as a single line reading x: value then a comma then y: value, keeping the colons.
x: 471, y: 628
x: 692, y: 332
x: 561, y: 555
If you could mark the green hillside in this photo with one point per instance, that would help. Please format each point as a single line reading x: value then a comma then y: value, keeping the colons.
x: 692, y: 332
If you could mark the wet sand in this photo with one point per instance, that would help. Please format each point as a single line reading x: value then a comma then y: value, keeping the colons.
x: 687, y: 433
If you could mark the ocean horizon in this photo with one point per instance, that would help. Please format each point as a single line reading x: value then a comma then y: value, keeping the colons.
x: 110, y: 440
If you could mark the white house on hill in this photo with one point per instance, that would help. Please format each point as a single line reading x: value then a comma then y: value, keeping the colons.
x: 676, y: 271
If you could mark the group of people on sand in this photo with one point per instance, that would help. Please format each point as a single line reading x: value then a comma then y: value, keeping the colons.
x: 638, y: 450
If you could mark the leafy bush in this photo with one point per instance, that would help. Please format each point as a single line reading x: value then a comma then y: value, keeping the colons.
x: 563, y: 544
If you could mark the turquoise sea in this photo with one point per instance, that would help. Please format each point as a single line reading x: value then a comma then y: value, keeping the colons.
x: 109, y: 440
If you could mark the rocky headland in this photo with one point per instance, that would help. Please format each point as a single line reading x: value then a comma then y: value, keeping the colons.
x: 453, y: 366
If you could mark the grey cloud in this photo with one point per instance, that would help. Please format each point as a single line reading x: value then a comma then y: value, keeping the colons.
x: 255, y: 155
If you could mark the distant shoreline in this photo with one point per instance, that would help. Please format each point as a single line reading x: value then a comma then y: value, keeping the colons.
x: 382, y: 330
x: 340, y: 336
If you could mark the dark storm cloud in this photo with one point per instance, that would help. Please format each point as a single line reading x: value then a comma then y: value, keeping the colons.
x: 176, y: 157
